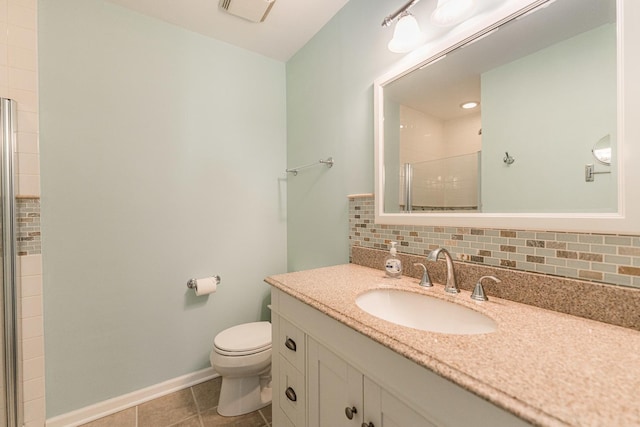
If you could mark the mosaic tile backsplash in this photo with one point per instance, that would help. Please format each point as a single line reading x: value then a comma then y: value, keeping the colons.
x: 28, y: 226
x: 604, y: 258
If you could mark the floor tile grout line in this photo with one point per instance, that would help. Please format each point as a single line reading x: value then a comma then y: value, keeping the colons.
x: 185, y: 419
x: 193, y: 396
x: 263, y: 417
x: 197, y: 413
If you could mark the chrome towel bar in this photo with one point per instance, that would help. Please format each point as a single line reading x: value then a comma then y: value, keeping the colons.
x: 328, y: 162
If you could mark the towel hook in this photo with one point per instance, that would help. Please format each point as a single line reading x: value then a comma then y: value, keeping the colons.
x: 508, y: 159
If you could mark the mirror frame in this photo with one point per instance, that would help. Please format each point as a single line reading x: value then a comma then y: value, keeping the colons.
x: 627, y: 218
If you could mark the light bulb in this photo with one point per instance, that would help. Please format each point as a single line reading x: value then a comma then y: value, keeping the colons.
x: 406, y: 35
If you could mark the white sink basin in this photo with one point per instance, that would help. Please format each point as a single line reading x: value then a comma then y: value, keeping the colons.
x: 424, y: 312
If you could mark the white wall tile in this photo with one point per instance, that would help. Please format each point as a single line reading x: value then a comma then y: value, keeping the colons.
x: 27, y: 99
x: 33, y: 389
x: 36, y: 423
x: 29, y: 185
x: 31, y: 286
x: 32, y: 327
x: 27, y: 120
x: 34, y: 411
x: 21, y: 37
x: 22, y: 15
x: 23, y: 79
x: 33, y: 368
x: 31, y: 306
x: 27, y: 143
x: 30, y: 265
x: 28, y: 164
x: 18, y: 80
x: 4, y: 38
x: 31, y: 4
x: 18, y: 57
x: 4, y: 8
x: 32, y: 348
x: 4, y: 54
x: 4, y: 76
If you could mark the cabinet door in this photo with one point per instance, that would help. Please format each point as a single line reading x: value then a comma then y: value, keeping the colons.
x: 382, y: 409
x: 292, y: 392
x: 335, y: 389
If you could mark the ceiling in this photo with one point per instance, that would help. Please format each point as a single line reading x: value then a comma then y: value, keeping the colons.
x: 288, y: 27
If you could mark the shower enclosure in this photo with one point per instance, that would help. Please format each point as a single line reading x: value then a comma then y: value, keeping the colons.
x: 8, y: 306
x: 445, y: 184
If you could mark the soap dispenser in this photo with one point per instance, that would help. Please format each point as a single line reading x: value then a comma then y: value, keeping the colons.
x: 393, y: 265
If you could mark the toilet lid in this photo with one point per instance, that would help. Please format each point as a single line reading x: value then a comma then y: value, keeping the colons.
x: 248, y: 337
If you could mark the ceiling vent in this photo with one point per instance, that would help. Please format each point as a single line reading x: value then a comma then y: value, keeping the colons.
x: 251, y: 10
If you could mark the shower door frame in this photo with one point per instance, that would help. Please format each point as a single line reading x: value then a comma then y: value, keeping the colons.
x: 8, y: 114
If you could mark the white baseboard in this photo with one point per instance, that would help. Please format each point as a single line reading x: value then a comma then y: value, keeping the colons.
x: 117, y: 404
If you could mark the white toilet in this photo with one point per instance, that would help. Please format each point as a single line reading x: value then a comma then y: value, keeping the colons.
x: 242, y: 356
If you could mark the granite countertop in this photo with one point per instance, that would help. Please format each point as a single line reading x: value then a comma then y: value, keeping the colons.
x: 548, y: 368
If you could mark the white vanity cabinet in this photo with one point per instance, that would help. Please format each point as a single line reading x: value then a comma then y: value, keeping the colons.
x: 335, y: 367
x: 341, y: 396
x: 288, y: 373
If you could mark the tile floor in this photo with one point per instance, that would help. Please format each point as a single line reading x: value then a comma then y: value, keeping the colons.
x: 191, y: 407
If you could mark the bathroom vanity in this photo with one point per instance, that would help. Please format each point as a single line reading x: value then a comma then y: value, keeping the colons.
x: 336, y: 365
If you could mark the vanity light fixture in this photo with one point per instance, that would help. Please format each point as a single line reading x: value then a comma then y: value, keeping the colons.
x: 451, y: 12
x: 407, y: 34
x: 469, y: 105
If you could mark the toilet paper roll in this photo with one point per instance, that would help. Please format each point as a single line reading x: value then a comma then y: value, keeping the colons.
x: 206, y: 285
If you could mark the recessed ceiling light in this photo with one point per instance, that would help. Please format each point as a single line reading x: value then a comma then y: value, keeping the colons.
x: 469, y: 105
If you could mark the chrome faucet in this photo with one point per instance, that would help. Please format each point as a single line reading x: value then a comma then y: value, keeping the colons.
x: 426, y: 280
x: 451, y: 286
x: 478, y: 292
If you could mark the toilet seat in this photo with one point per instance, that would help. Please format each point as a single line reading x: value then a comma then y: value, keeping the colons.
x: 245, y: 339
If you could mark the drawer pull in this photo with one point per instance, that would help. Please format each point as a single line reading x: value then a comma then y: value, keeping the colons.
x: 349, y: 412
x: 291, y: 394
x: 290, y: 344
x: 367, y: 425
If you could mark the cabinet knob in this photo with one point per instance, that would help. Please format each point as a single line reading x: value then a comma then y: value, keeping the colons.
x: 349, y: 412
x: 290, y: 344
x: 291, y: 394
x: 367, y: 425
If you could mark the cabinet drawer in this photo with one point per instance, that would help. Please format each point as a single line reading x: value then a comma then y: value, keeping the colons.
x: 292, y: 344
x: 292, y: 395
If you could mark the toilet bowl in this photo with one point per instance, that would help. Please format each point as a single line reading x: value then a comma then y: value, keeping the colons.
x: 242, y: 356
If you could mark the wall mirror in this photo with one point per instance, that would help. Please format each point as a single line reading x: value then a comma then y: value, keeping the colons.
x: 602, y: 150
x: 493, y: 125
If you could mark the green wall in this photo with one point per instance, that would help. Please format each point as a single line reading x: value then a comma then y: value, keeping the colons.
x: 547, y: 110
x: 330, y: 113
x: 162, y: 158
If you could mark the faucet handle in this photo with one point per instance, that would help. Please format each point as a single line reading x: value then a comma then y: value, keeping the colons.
x: 426, y: 280
x: 478, y: 292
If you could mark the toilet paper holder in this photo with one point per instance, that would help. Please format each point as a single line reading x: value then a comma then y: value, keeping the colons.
x: 192, y: 283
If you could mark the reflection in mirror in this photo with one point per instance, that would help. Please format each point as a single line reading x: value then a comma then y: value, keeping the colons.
x: 602, y: 150
x: 544, y: 88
